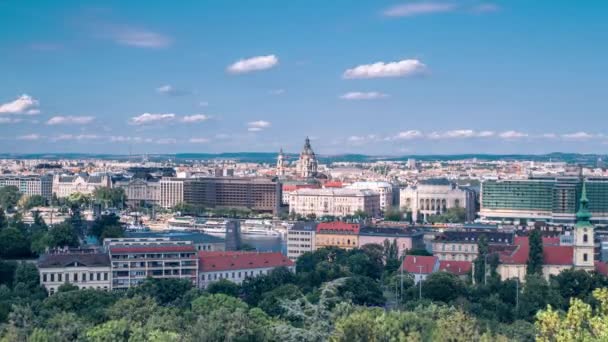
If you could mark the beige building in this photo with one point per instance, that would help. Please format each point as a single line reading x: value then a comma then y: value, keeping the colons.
x: 384, y: 189
x: 139, y: 191
x: 30, y: 185
x: 301, y: 239
x: 64, y: 186
x: 85, y: 268
x: 171, y: 192
x: 334, y: 202
x: 436, y: 196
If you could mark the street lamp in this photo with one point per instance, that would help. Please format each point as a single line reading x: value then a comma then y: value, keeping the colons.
x: 420, y: 281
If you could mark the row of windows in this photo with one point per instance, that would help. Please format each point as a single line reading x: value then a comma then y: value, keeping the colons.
x: 61, y: 277
x: 232, y: 275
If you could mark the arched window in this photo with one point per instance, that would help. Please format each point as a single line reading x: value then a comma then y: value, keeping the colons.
x: 585, y: 238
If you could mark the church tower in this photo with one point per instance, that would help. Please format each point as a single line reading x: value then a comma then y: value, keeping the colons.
x: 307, y: 165
x: 583, y: 235
x: 281, y: 164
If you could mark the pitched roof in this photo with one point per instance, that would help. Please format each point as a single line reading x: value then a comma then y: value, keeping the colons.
x: 229, y: 261
x: 65, y: 259
x: 601, y: 268
x: 455, y: 267
x: 338, y: 227
x: 152, y: 249
x: 419, y: 264
x: 558, y: 255
x: 552, y: 254
x: 388, y: 231
x: 519, y: 255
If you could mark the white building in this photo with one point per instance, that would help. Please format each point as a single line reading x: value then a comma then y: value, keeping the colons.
x: 87, y: 269
x: 384, y: 189
x: 171, y: 192
x: 434, y: 196
x: 30, y: 185
x: 140, y: 191
x: 64, y: 186
x: 334, y: 202
x: 301, y: 239
x: 238, y: 266
x: 307, y: 164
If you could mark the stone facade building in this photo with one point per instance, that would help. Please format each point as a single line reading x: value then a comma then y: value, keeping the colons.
x: 334, y: 202
x: 64, y: 186
x: 436, y: 196
x: 307, y: 164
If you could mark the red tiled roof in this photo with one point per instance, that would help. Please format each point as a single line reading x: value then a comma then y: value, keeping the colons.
x: 152, y: 249
x: 222, y: 261
x: 338, y: 227
x: 292, y: 187
x: 455, y: 267
x: 601, y: 267
x: 333, y: 185
x: 558, y: 255
x: 550, y: 240
x: 552, y: 254
x: 411, y: 264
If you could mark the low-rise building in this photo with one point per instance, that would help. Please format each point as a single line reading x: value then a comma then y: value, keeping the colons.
x: 65, y: 185
x: 85, y: 268
x: 238, y: 266
x: 30, y: 185
x: 462, y: 245
x: 436, y: 196
x: 141, y: 191
x: 301, y: 239
x: 420, y: 267
x: 201, y: 241
x: 405, y: 239
x: 132, y: 263
x: 337, y: 234
x: 334, y: 202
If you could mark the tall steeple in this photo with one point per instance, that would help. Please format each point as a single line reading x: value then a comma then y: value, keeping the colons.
x: 583, y: 215
x: 307, y: 165
x: 281, y: 164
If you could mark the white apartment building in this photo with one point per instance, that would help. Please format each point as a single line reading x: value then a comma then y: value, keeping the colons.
x: 171, y: 192
x: 434, y: 196
x: 334, y: 202
x: 301, y: 239
x: 64, y: 186
x: 384, y: 189
x: 140, y: 191
x: 238, y: 266
x: 30, y: 185
x: 87, y: 269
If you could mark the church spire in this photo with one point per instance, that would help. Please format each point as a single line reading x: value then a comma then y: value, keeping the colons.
x: 583, y: 215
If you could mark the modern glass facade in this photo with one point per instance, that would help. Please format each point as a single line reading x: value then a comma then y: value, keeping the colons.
x: 554, y: 199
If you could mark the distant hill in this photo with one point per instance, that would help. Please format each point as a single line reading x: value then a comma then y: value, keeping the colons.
x: 270, y: 157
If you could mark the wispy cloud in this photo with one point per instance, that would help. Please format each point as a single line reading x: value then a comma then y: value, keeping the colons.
x: 356, y: 95
x: 166, y: 141
x: 485, y: 8
x: 198, y: 140
x: 403, y: 68
x: 407, y: 135
x: 420, y: 8
x: 137, y: 37
x: 24, y: 104
x: 256, y: 126
x: 63, y: 137
x: 169, y: 90
x: 70, y: 120
x: 31, y: 137
x: 6, y: 120
x: 512, y: 135
x: 195, y: 118
x: 147, y: 118
x: 579, y: 136
x: 276, y: 92
x: 253, y: 64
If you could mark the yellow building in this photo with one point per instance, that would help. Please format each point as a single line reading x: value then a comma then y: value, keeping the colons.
x: 337, y: 234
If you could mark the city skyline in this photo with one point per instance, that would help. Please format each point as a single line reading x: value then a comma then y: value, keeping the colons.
x: 378, y: 78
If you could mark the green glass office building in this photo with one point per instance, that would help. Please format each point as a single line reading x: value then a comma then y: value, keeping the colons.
x: 548, y: 199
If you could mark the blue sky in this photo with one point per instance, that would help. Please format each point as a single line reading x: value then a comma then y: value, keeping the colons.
x: 378, y: 77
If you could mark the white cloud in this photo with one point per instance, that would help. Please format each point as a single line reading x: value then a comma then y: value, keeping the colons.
x: 256, y: 126
x: 5, y: 120
x: 403, y: 68
x: 578, y: 136
x: 129, y: 139
x: 140, y: 38
x: 485, y: 134
x: 62, y: 137
x: 166, y: 141
x: 420, y: 8
x: 460, y: 133
x: 253, y: 64
x: 362, y: 139
x: 195, y: 118
x: 147, y: 118
x: 549, y: 135
x: 406, y: 135
x: 70, y: 120
x: 512, y: 135
x: 169, y: 90
x: 198, y: 140
x: 33, y: 136
x: 356, y: 95
x: 276, y: 92
x: 24, y: 104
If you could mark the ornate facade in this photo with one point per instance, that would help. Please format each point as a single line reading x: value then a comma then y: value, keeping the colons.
x: 281, y: 164
x: 307, y: 164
